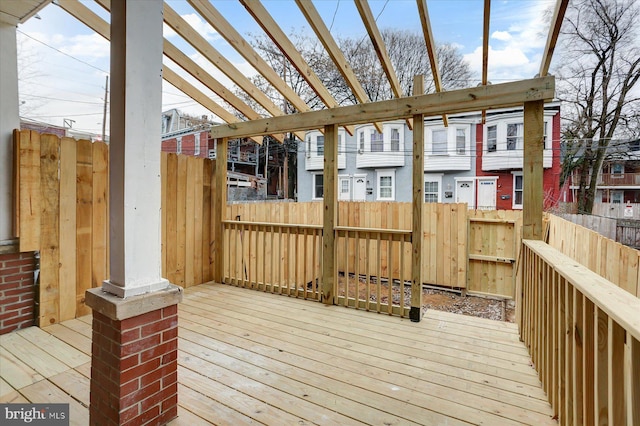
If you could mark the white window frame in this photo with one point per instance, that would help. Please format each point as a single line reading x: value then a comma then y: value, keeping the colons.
x: 179, y: 145
x: 318, y: 153
x: 386, y: 173
x: 518, y: 138
x: 501, y: 125
x: 364, y: 137
x: 451, y: 133
x: 617, y: 169
x: 196, y: 149
x: 431, y: 178
x: 314, y: 177
x: 514, y: 205
x: 440, y: 130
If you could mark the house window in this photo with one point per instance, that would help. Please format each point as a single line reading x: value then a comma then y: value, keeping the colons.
x: 377, y: 141
x: 344, y: 186
x: 617, y: 169
x: 518, y: 193
x: 318, y: 186
x: 439, y: 142
x: 308, y: 146
x: 196, y: 150
x: 431, y: 191
x: 461, y: 141
x: 492, y: 138
x: 395, y: 140
x: 320, y: 146
x: 514, y: 136
x: 616, y: 197
x: 179, y: 145
x: 386, y: 185
x: 361, y: 142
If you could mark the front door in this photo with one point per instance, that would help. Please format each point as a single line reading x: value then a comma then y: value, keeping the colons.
x: 359, y: 187
x: 487, y: 194
x: 465, y: 193
x: 344, y: 188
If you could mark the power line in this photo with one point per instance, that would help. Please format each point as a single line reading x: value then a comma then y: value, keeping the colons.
x: 61, y: 52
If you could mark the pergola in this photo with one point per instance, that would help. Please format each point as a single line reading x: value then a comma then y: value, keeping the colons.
x: 136, y: 286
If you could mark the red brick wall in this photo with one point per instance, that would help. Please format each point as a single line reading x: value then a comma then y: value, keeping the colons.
x: 134, y: 368
x: 17, y: 291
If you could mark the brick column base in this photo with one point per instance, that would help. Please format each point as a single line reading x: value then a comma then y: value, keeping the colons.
x: 17, y: 290
x: 134, y: 379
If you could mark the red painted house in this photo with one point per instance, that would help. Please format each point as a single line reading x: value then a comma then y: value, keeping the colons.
x: 499, y: 154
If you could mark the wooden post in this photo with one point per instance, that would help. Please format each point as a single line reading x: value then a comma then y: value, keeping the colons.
x: 532, y: 170
x: 329, y: 219
x: 219, y: 208
x: 415, y: 314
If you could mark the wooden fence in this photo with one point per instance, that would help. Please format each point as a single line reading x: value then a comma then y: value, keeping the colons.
x: 604, y: 226
x: 613, y: 261
x: 62, y: 212
x: 610, y: 210
x: 462, y: 249
x: 583, y: 334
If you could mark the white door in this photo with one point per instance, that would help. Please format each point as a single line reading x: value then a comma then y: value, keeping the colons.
x: 465, y: 193
x: 344, y: 188
x: 359, y: 187
x: 487, y: 194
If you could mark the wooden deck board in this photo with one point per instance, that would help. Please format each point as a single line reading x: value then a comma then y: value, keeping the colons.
x: 247, y: 357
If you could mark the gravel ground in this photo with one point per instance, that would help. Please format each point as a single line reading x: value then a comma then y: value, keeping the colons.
x: 441, y: 300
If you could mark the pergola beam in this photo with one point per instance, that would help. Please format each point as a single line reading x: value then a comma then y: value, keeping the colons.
x: 485, y: 48
x: 229, y: 33
x: 101, y: 27
x: 552, y: 38
x: 451, y: 102
x: 381, y: 50
x: 322, y: 32
x: 275, y: 33
x: 431, y: 49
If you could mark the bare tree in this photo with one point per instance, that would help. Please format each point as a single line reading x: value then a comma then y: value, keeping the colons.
x: 597, y: 77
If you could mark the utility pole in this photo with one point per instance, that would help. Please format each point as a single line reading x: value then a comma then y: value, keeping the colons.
x: 104, y: 112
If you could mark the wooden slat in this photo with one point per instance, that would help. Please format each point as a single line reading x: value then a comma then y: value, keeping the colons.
x: 329, y: 219
x: 100, y: 216
x: 84, y: 222
x: 47, y: 391
x: 16, y: 372
x: 31, y: 354
x: 220, y: 202
x: 417, y: 223
x: 29, y: 197
x: 55, y: 347
x: 171, y: 238
x: 190, y: 220
x: 49, y: 297
x: 67, y: 271
x: 552, y: 38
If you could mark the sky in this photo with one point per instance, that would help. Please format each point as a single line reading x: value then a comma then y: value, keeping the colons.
x: 63, y: 64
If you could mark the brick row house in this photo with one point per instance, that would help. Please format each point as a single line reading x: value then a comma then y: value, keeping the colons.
x: 619, y: 178
x: 467, y: 162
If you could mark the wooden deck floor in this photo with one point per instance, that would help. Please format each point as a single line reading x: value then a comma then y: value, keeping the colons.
x: 247, y: 357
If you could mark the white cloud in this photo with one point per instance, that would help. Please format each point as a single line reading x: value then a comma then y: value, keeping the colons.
x: 167, y: 31
x: 203, y: 28
x: 501, y: 35
x: 91, y: 46
x: 516, y: 43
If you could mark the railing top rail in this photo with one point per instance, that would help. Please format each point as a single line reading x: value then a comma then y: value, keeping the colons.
x: 621, y: 306
x: 274, y: 224
x: 374, y: 230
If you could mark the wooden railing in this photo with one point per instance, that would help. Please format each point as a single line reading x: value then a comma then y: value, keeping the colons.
x: 613, y: 261
x: 274, y: 257
x: 583, y: 333
x: 374, y: 269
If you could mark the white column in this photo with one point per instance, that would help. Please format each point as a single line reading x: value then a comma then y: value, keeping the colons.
x: 134, y: 159
x: 9, y: 120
